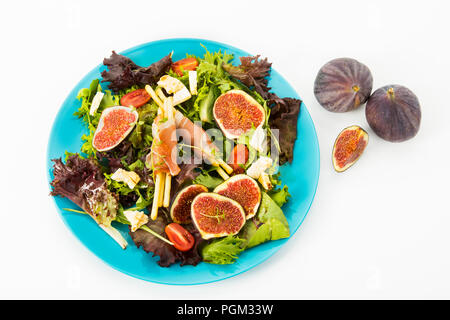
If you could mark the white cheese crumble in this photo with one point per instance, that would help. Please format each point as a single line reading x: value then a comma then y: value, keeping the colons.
x: 131, y: 178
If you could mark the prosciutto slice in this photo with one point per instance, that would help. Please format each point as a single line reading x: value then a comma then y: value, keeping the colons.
x: 204, y: 147
x: 163, y: 155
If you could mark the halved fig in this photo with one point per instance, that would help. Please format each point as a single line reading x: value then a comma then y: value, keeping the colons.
x: 348, y: 147
x: 244, y: 190
x: 217, y: 216
x: 114, y: 125
x: 237, y: 113
x: 180, y: 212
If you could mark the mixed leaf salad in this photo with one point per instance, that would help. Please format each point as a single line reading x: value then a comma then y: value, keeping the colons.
x: 186, y: 153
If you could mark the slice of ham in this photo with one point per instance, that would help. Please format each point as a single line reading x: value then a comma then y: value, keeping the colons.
x: 163, y: 155
x: 204, y: 147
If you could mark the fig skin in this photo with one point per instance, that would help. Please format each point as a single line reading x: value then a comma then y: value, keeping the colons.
x: 243, y: 189
x: 216, y: 216
x: 180, y: 211
x: 343, y: 84
x: 393, y: 112
x: 352, y: 150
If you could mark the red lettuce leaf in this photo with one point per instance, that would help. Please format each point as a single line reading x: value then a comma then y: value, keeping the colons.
x: 81, y: 181
x: 168, y: 255
x: 189, y: 171
x: 253, y: 72
x: 70, y: 177
x: 124, y: 73
x: 284, y: 117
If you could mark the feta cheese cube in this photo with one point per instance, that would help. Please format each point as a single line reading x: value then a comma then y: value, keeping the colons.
x: 258, y: 139
x: 259, y: 167
x: 136, y: 218
x: 193, y: 82
x: 170, y: 84
x: 181, y: 96
x: 96, y: 102
x: 131, y: 178
x: 264, y: 179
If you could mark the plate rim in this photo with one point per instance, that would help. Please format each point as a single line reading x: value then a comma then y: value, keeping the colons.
x: 137, y: 276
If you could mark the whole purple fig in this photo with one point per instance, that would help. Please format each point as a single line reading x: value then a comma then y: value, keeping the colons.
x: 343, y: 85
x: 393, y: 113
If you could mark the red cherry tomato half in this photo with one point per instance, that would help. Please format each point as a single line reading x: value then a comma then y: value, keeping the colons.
x: 136, y: 98
x: 183, y: 65
x: 238, y: 157
x: 182, y: 240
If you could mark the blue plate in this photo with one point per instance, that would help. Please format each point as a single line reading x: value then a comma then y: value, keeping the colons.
x: 301, y: 176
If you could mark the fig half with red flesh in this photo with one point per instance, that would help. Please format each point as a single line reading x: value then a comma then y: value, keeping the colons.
x: 180, y: 212
x: 114, y: 125
x: 348, y: 147
x: 343, y: 84
x: 216, y: 216
x: 237, y: 113
x: 244, y: 190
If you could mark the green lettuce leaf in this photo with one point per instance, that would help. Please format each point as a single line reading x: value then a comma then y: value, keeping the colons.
x: 280, y: 196
x: 223, y: 251
x: 208, y: 180
x: 269, y: 224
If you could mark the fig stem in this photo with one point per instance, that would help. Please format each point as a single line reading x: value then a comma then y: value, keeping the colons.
x: 217, y: 216
x: 390, y: 93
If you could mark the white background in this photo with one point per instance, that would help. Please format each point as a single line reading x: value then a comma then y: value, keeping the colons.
x: 379, y: 230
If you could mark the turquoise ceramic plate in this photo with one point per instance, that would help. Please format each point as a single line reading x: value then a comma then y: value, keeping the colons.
x: 301, y: 176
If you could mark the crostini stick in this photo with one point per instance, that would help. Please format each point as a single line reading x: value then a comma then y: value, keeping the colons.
x: 160, y: 94
x: 169, y: 113
x: 154, y: 96
x: 222, y: 173
x: 154, y: 213
x: 224, y: 165
x: 167, y: 186
x: 162, y: 181
x: 158, y: 196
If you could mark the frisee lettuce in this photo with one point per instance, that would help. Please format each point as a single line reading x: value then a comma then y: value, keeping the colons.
x: 223, y: 251
x: 280, y: 196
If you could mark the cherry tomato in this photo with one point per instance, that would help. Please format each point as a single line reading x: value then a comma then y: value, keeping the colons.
x: 238, y: 157
x: 136, y: 98
x: 184, y: 64
x: 182, y: 240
